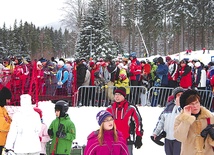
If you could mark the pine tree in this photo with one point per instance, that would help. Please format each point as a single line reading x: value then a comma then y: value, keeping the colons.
x: 95, y: 38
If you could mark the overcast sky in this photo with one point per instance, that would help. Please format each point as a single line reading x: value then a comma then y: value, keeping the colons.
x: 39, y: 12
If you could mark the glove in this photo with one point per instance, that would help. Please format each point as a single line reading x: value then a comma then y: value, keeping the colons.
x: 59, y: 83
x: 130, y: 74
x: 50, y: 132
x: 60, y: 133
x: 208, y: 130
x: 179, y: 79
x: 138, y: 142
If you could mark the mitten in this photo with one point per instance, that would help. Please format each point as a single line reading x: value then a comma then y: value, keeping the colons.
x: 138, y: 142
x: 50, y: 132
x: 59, y: 83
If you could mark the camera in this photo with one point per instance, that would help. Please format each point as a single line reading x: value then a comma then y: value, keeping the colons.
x: 208, y: 130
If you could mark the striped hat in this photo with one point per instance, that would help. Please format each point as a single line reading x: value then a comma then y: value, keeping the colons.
x: 102, y: 115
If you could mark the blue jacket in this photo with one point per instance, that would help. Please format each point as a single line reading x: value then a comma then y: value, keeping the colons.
x: 162, y: 74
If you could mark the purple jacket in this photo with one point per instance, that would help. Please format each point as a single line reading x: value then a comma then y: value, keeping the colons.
x: 109, y: 147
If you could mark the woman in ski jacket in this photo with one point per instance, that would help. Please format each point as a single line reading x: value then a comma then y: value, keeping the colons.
x: 193, y: 126
x: 107, y: 140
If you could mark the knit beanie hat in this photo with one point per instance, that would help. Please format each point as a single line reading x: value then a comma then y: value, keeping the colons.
x: 39, y: 111
x: 5, y: 93
x: 102, y: 115
x: 176, y: 91
x: 121, y: 90
x: 186, y: 95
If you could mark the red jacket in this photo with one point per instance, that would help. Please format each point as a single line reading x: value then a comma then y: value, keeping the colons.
x: 186, y: 77
x: 123, y: 114
x: 135, y: 70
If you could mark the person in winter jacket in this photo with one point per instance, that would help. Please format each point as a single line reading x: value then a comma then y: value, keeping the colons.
x: 62, y: 130
x: 111, y: 74
x: 123, y: 81
x: 134, y: 76
x: 127, y: 119
x: 166, y: 123
x: 23, y: 136
x: 5, y: 120
x: 107, y: 140
x: 173, y: 72
x: 193, y: 126
x: 161, y: 73
x: 185, y: 75
x: 62, y: 79
x: 43, y: 135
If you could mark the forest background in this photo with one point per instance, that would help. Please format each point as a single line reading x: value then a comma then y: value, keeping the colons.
x: 101, y: 28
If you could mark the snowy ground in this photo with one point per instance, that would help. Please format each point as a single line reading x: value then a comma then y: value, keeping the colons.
x: 205, y: 58
x: 84, y: 119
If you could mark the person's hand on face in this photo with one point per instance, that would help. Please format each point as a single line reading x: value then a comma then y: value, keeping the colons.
x: 188, y: 109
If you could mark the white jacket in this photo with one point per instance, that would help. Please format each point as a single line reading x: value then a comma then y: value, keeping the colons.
x: 23, y: 136
x: 166, y: 121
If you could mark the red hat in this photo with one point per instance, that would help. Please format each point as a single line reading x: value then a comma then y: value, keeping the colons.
x: 91, y: 64
x: 39, y: 111
x: 121, y: 90
x: 168, y: 58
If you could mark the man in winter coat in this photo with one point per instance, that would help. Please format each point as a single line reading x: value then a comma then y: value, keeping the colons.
x: 127, y: 119
x: 62, y: 130
x: 5, y: 120
x: 166, y: 123
x: 193, y: 126
x: 23, y: 136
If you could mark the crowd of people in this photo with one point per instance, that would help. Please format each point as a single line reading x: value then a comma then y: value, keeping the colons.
x: 55, y: 78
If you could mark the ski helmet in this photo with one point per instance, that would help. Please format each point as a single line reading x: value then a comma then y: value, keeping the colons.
x: 62, y: 106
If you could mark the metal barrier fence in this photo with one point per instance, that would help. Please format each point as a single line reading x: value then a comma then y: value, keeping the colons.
x: 158, y: 96
x: 139, y: 95
x: 103, y: 96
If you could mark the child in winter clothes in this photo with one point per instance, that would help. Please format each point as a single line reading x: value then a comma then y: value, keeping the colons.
x: 107, y: 140
x: 62, y: 130
x: 43, y: 135
x: 5, y: 120
x: 23, y: 136
x: 166, y: 123
x: 123, y: 81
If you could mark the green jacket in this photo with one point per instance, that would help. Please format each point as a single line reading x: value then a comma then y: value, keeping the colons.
x: 64, y: 145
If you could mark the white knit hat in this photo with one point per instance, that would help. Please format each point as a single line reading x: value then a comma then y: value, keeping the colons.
x: 61, y: 63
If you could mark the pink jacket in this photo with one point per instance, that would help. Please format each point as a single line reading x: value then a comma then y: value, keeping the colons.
x: 44, y: 138
x: 109, y: 146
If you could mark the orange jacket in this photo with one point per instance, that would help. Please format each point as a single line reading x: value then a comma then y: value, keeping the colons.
x: 5, y: 122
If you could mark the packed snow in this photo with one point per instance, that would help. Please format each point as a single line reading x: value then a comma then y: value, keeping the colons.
x: 84, y: 118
